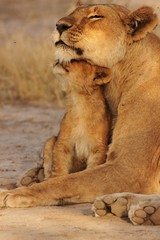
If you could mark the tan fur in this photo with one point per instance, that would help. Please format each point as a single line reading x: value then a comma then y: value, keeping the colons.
x: 133, y: 162
x: 83, y: 137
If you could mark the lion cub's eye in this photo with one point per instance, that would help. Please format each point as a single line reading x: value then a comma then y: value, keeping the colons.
x: 96, y: 17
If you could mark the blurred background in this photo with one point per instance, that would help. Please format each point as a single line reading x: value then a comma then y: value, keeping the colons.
x: 26, y: 50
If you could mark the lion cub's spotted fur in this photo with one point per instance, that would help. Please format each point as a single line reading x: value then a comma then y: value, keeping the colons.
x: 83, y: 137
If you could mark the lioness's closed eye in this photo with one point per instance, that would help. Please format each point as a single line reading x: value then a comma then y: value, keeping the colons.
x: 83, y: 137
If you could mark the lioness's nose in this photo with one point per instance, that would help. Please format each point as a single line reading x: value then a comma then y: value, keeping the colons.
x: 61, y: 27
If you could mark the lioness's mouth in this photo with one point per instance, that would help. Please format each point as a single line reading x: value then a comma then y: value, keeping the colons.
x: 77, y: 50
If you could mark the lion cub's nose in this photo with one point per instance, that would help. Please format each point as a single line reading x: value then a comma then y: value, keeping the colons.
x: 61, y: 27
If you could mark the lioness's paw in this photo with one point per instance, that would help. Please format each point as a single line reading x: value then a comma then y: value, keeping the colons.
x: 7, y: 199
x: 3, y: 196
x: 112, y: 203
x: 16, y: 198
x: 145, y: 213
x: 99, y: 208
x: 34, y: 175
x: 141, y: 209
x: 118, y: 203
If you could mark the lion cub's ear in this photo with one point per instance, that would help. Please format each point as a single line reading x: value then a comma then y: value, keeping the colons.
x: 102, y: 76
x: 140, y: 22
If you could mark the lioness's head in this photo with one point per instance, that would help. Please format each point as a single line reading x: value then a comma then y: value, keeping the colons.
x: 101, y: 33
x: 79, y: 74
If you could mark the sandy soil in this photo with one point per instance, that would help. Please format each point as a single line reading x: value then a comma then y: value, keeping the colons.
x: 23, y: 131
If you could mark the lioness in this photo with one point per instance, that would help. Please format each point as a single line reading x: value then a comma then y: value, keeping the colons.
x: 83, y: 137
x: 111, y: 36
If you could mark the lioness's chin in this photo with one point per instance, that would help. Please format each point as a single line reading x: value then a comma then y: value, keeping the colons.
x: 65, y: 55
x: 64, y: 52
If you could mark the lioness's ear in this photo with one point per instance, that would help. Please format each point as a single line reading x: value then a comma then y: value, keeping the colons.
x: 74, y: 5
x: 140, y: 22
x: 102, y: 76
x: 78, y: 4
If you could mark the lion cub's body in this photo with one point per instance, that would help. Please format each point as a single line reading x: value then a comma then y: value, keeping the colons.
x: 83, y: 137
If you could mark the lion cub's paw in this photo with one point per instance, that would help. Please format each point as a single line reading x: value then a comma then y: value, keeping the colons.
x: 34, y: 175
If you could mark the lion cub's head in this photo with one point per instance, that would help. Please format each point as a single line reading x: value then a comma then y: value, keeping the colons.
x: 81, y: 75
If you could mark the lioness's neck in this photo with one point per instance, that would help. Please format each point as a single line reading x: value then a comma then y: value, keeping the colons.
x: 140, y: 64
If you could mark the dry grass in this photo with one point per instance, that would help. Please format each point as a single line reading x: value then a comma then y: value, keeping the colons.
x: 26, y: 69
x: 25, y: 58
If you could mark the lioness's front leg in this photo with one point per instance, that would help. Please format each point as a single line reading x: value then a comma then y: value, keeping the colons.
x: 73, y: 188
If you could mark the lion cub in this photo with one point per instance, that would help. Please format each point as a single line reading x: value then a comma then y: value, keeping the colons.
x: 83, y: 137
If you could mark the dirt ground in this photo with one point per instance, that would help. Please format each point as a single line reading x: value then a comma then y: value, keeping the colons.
x: 23, y: 131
